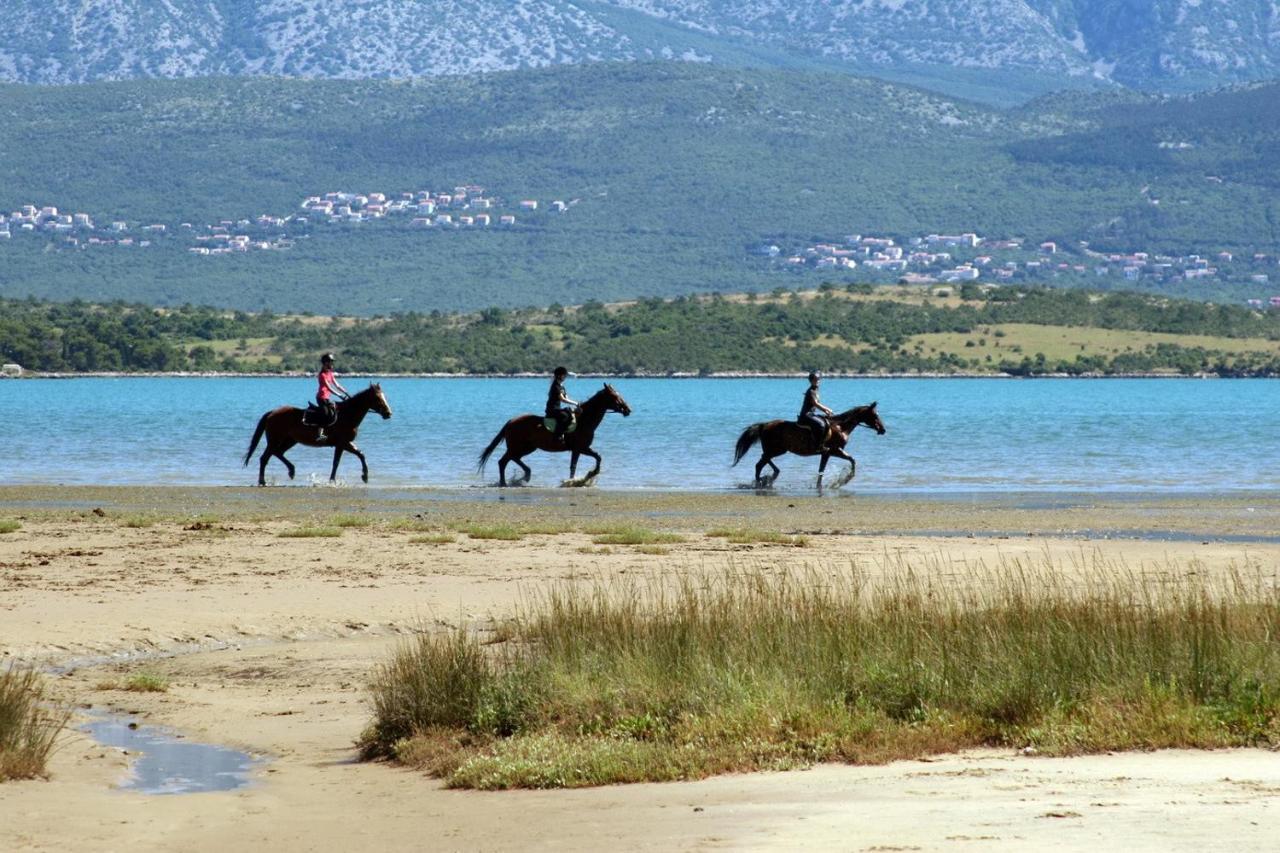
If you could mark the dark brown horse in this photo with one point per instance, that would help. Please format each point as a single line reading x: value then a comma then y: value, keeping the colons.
x: 527, y: 433
x: 779, y: 437
x: 284, y: 428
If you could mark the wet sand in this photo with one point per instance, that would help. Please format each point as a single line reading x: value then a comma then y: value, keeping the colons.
x: 267, y: 642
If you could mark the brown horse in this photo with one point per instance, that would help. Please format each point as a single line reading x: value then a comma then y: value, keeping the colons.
x: 284, y: 428
x: 527, y: 433
x: 779, y: 437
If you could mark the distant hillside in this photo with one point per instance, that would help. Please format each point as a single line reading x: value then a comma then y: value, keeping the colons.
x: 991, y: 48
x: 861, y: 329
x: 680, y: 173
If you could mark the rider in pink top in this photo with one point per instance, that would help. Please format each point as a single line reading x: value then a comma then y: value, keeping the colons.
x: 328, y: 386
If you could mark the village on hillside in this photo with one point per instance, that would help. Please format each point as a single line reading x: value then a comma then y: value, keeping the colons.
x: 968, y: 257
x: 462, y: 207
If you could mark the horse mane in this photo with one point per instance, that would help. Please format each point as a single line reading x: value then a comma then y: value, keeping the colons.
x: 364, y: 392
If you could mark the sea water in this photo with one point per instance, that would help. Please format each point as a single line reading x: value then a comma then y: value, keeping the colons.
x: 944, y: 435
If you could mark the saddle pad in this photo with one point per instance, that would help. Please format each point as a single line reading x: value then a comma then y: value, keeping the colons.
x: 550, y: 425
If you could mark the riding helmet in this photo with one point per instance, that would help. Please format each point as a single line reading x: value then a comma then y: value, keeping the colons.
x: 562, y: 371
x: 327, y: 358
x: 813, y: 374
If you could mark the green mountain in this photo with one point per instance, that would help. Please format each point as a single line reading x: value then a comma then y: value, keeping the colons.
x: 680, y: 171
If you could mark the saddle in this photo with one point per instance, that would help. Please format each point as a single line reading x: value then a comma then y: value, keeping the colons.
x: 318, y: 417
x: 827, y: 435
x: 549, y: 424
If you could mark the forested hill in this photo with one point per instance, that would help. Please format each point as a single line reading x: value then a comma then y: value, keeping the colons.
x: 860, y: 329
x: 673, y: 175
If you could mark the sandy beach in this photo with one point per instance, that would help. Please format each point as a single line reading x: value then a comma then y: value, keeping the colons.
x: 267, y: 641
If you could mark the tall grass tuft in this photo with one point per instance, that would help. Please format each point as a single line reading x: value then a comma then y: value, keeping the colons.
x: 28, y: 729
x: 688, y: 675
x: 9, y: 525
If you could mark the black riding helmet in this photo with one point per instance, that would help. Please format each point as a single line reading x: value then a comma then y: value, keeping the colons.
x: 561, y: 371
x: 327, y: 358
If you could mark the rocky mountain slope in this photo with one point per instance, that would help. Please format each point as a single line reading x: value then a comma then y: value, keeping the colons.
x: 1164, y: 44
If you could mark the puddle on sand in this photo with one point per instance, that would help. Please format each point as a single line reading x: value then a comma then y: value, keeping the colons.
x: 167, y: 764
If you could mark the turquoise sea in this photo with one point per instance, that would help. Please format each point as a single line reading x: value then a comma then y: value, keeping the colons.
x: 944, y: 435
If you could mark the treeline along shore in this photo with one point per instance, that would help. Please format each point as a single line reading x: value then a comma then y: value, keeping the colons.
x: 855, y: 329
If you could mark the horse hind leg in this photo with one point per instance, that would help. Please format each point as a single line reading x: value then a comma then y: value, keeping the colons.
x: 287, y: 463
x: 761, y: 480
x: 502, y: 470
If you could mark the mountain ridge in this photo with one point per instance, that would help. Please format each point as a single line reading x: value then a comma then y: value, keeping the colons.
x: 1174, y: 45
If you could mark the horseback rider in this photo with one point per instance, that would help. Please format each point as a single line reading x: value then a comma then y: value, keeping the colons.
x: 324, y: 394
x: 814, y: 415
x: 556, y: 396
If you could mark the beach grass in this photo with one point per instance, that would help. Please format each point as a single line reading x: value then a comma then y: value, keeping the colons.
x: 29, y: 726
x: 311, y: 533
x: 432, y: 539
x: 626, y: 535
x: 138, y: 522
x: 145, y: 682
x: 745, y: 536
x: 9, y: 525
x: 687, y: 675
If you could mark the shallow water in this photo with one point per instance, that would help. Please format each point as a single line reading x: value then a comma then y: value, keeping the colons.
x: 169, y: 764
x: 945, y: 436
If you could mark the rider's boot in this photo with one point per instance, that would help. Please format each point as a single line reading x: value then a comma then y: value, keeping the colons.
x: 320, y: 436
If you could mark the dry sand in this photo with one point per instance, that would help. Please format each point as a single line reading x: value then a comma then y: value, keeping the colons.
x: 267, y: 642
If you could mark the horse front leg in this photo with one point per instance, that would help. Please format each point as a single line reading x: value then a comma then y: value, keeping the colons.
x: 853, y: 463
x: 594, y: 472
x: 573, y: 463
x: 337, y: 457
x: 364, y: 466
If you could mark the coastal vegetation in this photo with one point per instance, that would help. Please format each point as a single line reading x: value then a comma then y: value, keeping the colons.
x: 29, y: 726
x: 687, y: 676
x: 855, y: 329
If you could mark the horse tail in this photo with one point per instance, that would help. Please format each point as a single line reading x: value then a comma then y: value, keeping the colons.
x: 257, y: 434
x: 749, y: 436
x: 488, y: 451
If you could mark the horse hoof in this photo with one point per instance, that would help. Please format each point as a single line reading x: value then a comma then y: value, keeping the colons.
x: 364, y: 478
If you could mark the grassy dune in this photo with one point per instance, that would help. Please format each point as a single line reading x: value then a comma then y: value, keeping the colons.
x: 28, y: 730
x: 688, y: 676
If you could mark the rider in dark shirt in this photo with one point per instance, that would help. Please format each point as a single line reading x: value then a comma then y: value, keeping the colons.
x: 812, y: 413
x: 556, y: 397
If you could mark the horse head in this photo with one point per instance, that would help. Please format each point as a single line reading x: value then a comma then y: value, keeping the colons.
x: 614, y: 401
x: 377, y: 400
x: 861, y: 415
x: 870, y: 417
